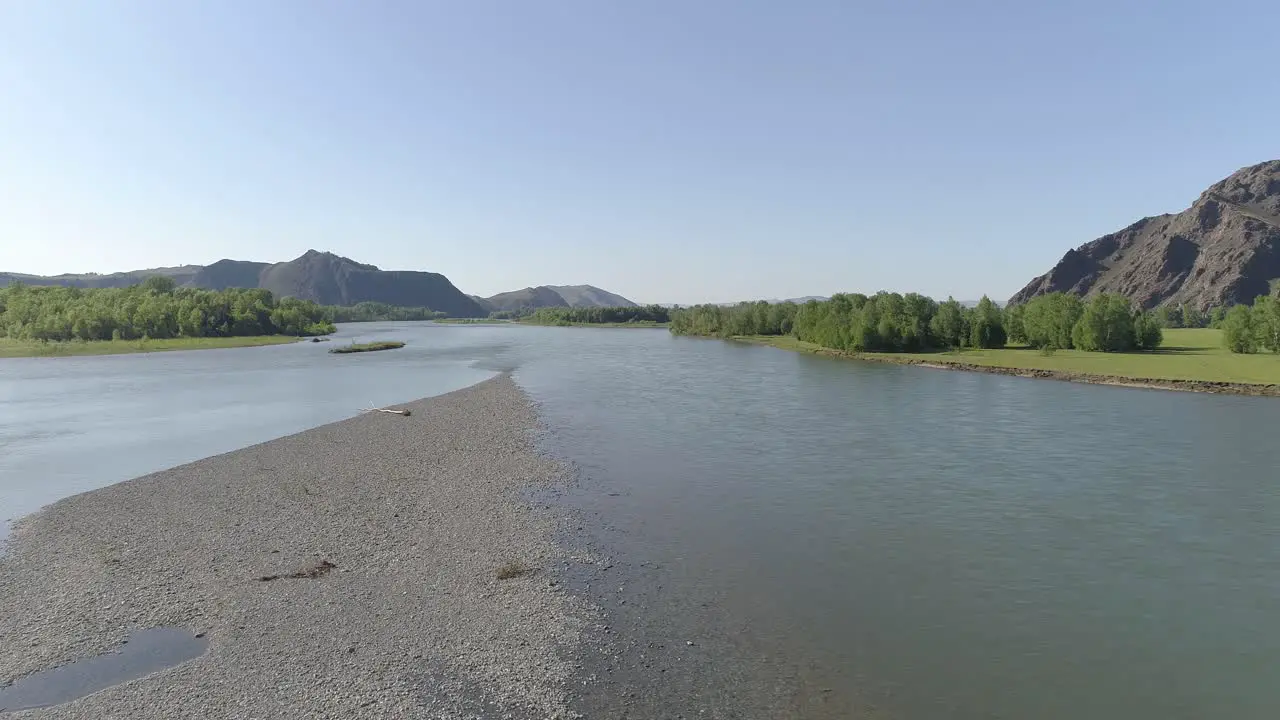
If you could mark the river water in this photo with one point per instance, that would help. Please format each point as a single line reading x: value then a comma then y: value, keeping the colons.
x: 834, y: 538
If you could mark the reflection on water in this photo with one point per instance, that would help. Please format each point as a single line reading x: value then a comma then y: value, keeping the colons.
x: 925, y: 544
x: 145, y: 652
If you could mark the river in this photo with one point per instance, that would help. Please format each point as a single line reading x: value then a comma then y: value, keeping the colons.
x: 833, y: 537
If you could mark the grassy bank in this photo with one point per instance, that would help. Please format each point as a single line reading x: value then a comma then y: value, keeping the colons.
x: 1191, y: 359
x: 367, y: 347
x: 31, y: 348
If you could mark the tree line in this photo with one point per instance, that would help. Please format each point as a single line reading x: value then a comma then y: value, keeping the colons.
x: 1250, y: 328
x: 154, y: 308
x: 892, y: 322
x: 370, y: 311
x: 595, y: 315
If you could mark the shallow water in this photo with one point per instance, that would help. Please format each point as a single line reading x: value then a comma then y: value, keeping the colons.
x: 850, y: 537
x: 73, y: 424
x: 145, y: 652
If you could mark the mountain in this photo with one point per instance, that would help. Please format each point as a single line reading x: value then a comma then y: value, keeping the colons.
x: 320, y: 276
x: 532, y: 297
x: 1223, y: 250
x: 334, y: 280
x: 589, y: 296
x: 555, y: 296
x: 803, y: 300
x: 229, y: 274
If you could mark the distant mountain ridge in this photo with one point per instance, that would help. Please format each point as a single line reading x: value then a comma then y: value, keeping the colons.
x: 331, y: 279
x: 532, y: 298
x: 181, y: 275
x: 1222, y: 250
x: 323, y: 277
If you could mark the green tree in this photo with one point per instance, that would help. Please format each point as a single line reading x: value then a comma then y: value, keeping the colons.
x: 1049, y: 319
x: 1265, y: 317
x: 1191, y: 317
x: 1013, y: 326
x: 159, y: 284
x: 1106, y: 325
x: 948, y: 326
x: 1148, y: 333
x: 1238, y: 333
x: 986, y: 326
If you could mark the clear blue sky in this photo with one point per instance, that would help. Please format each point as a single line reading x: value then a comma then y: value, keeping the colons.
x: 670, y: 151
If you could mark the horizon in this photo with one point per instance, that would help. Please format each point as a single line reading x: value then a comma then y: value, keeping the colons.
x: 769, y: 153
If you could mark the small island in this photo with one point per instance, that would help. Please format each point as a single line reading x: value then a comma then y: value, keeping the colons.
x: 367, y: 347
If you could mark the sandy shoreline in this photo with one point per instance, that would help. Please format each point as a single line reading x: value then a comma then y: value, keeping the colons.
x: 416, y: 514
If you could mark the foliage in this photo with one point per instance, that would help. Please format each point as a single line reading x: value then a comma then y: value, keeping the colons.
x: 1265, y: 317
x: 1047, y: 320
x: 1248, y: 330
x: 369, y: 311
x: 949, y: 326
x: 884, y: 322
x: 1148, y: 333
x: 986, y: 326
x: 154, y: 309
x: 1106, y: 325
x: 894, y: 323
x: 1238, y: 333
x: 1013, y: 324
x: 597, y: 315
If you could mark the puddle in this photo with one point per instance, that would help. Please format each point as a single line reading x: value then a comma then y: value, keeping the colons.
x: 146, y: 652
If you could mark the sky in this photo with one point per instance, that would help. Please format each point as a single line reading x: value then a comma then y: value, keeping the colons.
x: 667, y: 150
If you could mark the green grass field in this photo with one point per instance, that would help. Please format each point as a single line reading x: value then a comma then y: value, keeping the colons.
x: 1195, y: 355
x: 26, y: 348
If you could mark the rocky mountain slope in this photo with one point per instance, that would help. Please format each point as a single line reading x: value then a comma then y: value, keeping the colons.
x: 1223, y: 250
x: 555, y: 296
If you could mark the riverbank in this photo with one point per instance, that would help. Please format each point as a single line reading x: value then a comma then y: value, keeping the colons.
x: 412, y: 520
x: 30, y: 348
x: 1190, y: 360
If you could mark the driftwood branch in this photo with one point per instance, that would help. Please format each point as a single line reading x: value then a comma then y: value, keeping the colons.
x: 393, y: 411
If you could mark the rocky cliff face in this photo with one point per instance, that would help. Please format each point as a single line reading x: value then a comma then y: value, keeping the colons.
x: 1223, y: 250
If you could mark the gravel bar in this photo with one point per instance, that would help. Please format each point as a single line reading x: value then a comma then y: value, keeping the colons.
x: 417, y: 517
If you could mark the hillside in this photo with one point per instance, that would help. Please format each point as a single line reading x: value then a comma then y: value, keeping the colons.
x: 1223, y: 250
x: 320, y: 276
x: 555, y: 296
x: 181, y: 275
x: 589, y: 296
x: 229, y: 274
x: 528, y: 298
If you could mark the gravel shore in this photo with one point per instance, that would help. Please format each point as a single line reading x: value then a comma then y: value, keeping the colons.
x: 416, y: 515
